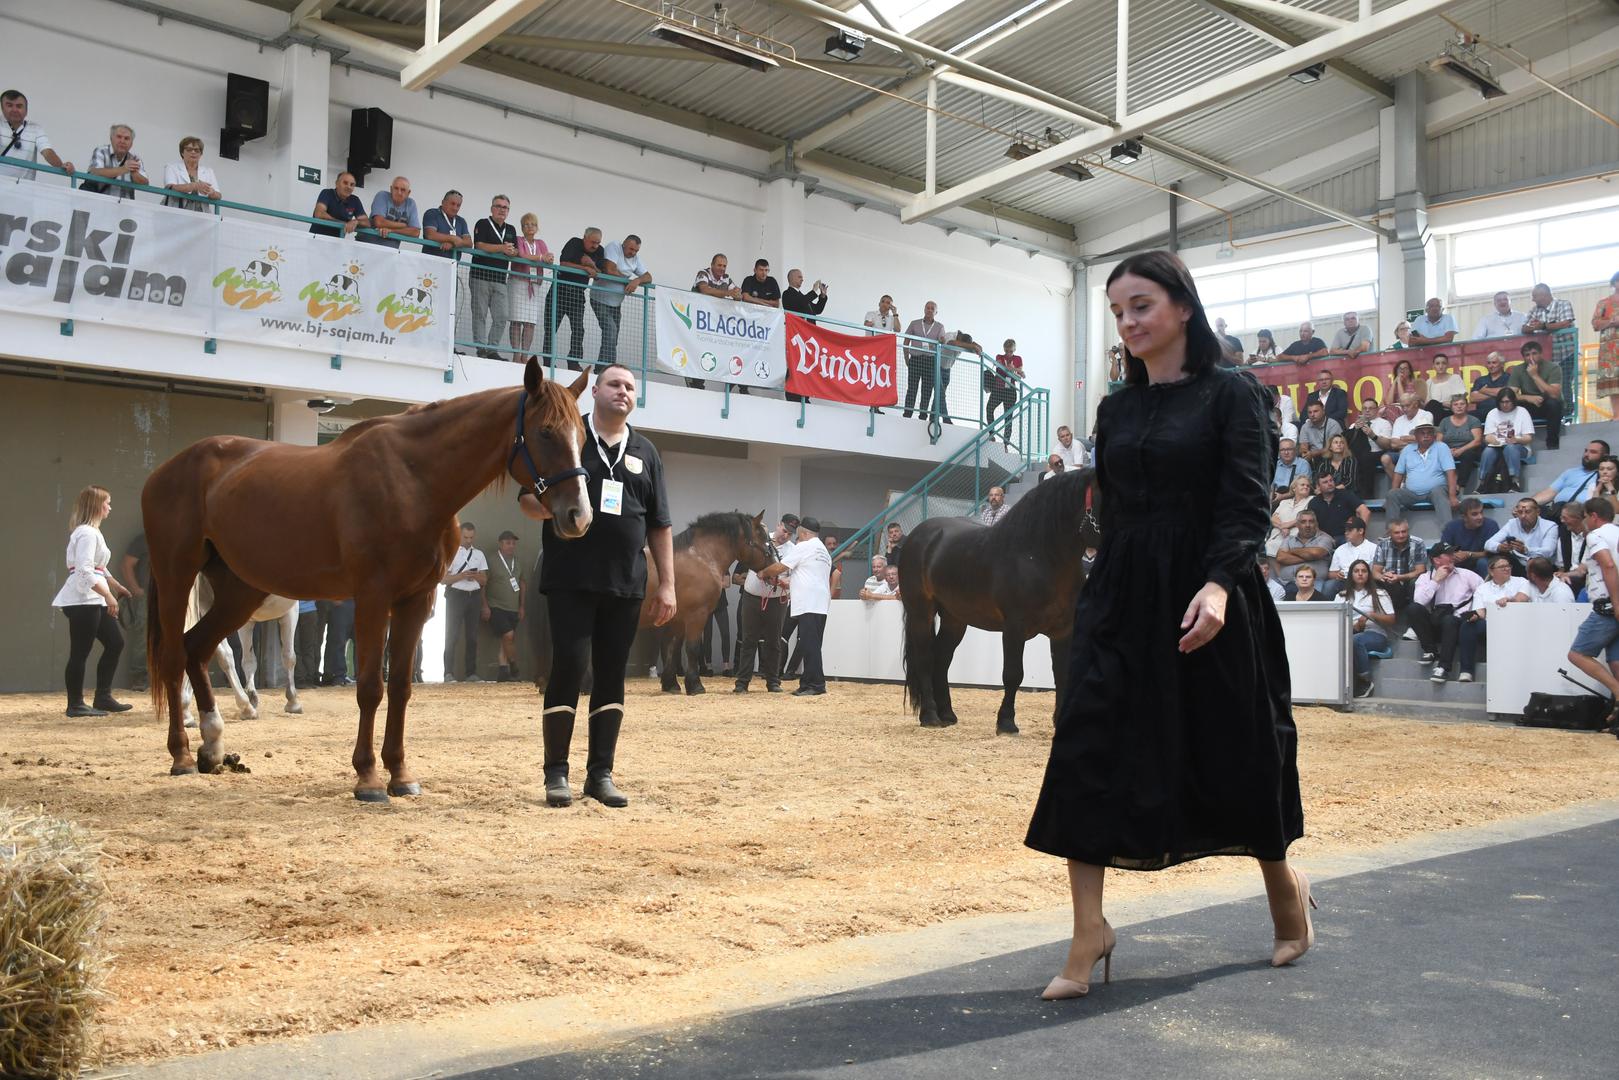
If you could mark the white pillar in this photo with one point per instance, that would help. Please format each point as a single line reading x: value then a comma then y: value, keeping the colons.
x: 293, y: 421
x: 783, y: 233
x: 302, y: 116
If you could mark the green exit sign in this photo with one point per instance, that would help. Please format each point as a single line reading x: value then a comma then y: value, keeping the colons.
x: 309, y: 174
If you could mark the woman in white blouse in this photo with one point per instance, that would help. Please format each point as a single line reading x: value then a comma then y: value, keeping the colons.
x: 1282, y: 521
x: 191, y: 177
x: 1497, y: 591
x: 1372, y: 619
x: 1507, y: 431
x: 89, y: 600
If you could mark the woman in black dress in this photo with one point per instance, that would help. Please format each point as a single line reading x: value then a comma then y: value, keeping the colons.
x: 1176, y: 738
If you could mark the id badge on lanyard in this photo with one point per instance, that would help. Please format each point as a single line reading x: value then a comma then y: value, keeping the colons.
x: 612, y: 497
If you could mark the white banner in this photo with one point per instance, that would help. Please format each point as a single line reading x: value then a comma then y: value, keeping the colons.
x: 705, y: 337
x: 69, y: 254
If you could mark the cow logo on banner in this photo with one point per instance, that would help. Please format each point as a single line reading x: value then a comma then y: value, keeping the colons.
x: 255, y: 283
x: 411, y: 312
x: 337, y: 297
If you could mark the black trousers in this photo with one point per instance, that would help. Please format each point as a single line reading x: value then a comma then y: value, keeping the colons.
x: 915, y: 372
x: 811, y: 628
x: 594, y: 629
x: 339, y: 630
x: 1550, y: 413
x: 565, y: 302
x: 721, y: 617
x: 1368, y: 463
x: 1003, y: 398
x: 759, y: 635
x: 1438, y: 630
x: 306, y: 648
x: 789, y: 627
x: 929, y: 390
x: 86, y: 625
x: 463, y: 610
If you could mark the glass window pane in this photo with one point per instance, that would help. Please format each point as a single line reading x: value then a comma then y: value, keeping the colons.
x: 1579, y: 231
x: 1593, y: 267
x: 1334, y: 302
x: 1275, y: 280
x: 1487, y: 280
x: 1220, y: 289
x: 1353, y: 269
x: 1496, y: 245
x: 1281, y: 315
x: 1231, y: 313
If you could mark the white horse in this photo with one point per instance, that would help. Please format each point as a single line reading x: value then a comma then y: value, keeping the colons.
x: 274, y: 608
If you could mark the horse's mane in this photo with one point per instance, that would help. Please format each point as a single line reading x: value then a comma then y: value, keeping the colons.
x: 1047, y: 517
x: 355, y: 430
x: 733, y: 524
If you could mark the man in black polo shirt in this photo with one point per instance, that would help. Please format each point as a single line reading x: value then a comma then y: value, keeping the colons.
x: 581, y: 260
x: 594, y: 585
x: 1334, y: 507
x: 761, y: 288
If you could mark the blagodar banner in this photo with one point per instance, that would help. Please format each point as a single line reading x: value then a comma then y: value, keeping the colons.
x: 69, y: 254
x: 835, y: 366
x: 705, y: 337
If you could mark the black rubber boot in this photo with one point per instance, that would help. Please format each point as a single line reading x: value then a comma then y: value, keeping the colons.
x: 604, y: 728
x: 557, y: 731
x: 107, y: 703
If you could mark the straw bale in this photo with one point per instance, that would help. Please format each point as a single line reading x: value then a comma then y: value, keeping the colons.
x: 52, y: 967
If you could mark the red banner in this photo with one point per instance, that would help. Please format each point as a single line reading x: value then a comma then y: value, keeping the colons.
x: 1368, y: 374
x: 860, y: 369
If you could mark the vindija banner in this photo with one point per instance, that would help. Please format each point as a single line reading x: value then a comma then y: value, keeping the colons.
x: 706, y: 337
x: 70, y: 254
x: 855, y: 368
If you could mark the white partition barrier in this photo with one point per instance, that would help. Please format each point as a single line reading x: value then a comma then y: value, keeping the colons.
x: 865, y: 640
x: 1526, y: 646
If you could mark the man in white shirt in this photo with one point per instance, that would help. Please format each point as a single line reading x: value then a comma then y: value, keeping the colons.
x: 1071, y: 452
x: 1600, y: 630
x: 463, y: 583
x: 23, y: 140
x: 879, y: 572
x: 919, y: 357
x: 1526, y: 536
x: 1501, y: 322
x: 810, y: 573
x: 1403, y: 431
x: 886, y: 318
x: 1355, y: 546
x: 622, y: 259
x: 1054, y: 467
x: 886, y: 589
x: 1544, y: 586
x: 1435, y: 327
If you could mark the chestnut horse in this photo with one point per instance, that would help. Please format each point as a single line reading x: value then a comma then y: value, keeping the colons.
x: 371, y: 515
x: 704, y: 555
x: 1021, y: 576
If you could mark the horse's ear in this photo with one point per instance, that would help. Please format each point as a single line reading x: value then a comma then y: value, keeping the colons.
x: 578, y: 386
x: 532, y: 376
x: 759, y: 519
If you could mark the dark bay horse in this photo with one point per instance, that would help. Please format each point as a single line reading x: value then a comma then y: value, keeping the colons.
x: 1020, y: 577
x: 371, y: 515
x: 704, y: 555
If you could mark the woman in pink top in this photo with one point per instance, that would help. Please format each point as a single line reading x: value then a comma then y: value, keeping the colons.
x: 525, y: 287
x: 1001, y: 386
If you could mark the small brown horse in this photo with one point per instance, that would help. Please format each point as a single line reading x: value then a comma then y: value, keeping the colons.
x: 704, y: 555
x: 371, y: 515
x: 1021, y: 577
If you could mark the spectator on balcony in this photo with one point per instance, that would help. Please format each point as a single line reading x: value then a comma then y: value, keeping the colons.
x: 759, y: 287
x: 1404, y: 380
x: 879, y: 567
x: 1605, y: 321
x: 920, y: 356
x: 1001, y: 380
x: 801, y: 301
x: 1402, y: 430
x: 1501, y: 320
x: 1069, y: 449
x: 1401, y: 559
x: 445, y: 226
x: 886, y: 589
x: 339, y: 205
x: 1488, y: 387
x: 894, y: 540
x: 1402, y: 335
x: 578, y: 264
x: 995, y: 507
x: 1333, y: 398
x: 1467, y: 534
x: 1507, y: 434
x: 1289, y: 467
x: 1353, y: 339
x: 1264, y: 348
x: 1366, y: 436
x: 1355, y: 547
x: 1576, y: 483
x: 1555, y: 318
x: 1526, y: 536
x: 1425, y: 473
x: 1230, y: 344
x: 1444, y: 385
x: 1335, y: 507
x: 1372, y: 618
x: 713, y: 280
x: 1436, y: 327
x: 1501, y: 588
x: 393, y: 214
x: 1544, y: 585
x: 1316, y: 431
x: 959, y: 345
x: 524, y: 285
x: 885, y: 319
x: 115, y: 161
x: 1306, y: 546
x: 21, y: 139
x: 1442, y: 596
x: 622, y: 259
x: 496, y: 241
x: 1054, y: 467
x: 1340, y: 464
x: 1284, y: 517
x: 1307, y: 348
x: 1539, y: 383
x: 190, y: 177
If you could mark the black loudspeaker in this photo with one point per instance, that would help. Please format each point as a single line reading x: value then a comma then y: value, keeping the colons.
x: 371, y: 138
x: 247, y: 113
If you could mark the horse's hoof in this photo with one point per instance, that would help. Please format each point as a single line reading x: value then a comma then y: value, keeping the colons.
x: 933, y: 721
x: 371, y: 795
x: 947, y: 719
x: 1006, y: 727
x: 206, y: 763
x: 182, y: 770
x: 409, y: 788
x: 696, y: 688
x: 671, y: 689
x: 295, y: 710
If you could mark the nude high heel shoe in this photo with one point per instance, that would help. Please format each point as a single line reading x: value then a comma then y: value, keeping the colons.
x: 1289, y: 950
x: 1061, y: 988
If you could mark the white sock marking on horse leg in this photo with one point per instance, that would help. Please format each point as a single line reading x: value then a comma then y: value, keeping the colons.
x: 212, y: 728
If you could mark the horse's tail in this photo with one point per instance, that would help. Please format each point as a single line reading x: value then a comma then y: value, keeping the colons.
x: 156, y: 674
x: 916, y: 630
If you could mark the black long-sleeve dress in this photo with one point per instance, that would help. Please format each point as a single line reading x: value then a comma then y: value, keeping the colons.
x: 1159, y: 757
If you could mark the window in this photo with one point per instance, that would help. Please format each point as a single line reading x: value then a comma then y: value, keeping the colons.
x: 1279, y: 298
x: 1281, y: 315
x: 907, y: 15
x: 1565, y: 252
x: 1332, y: 303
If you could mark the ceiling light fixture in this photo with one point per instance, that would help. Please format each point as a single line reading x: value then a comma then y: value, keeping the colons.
x: 845, y: 45
x: 1460, y: 60
x: 1071, y: 169
x: 1310, y: 74
x: 714, y: 36
x: 1126, y: 152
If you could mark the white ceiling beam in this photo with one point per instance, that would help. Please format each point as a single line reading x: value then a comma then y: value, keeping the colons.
x: 1288, y: 11
x: 1283, y: 38
x: 1214, y: 92
x: 311, y: 9
x: 354, y: 41
x: 468, y: 38
x: 882, y: 21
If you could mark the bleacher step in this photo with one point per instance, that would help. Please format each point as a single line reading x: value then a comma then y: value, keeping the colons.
x: 1421, y: 690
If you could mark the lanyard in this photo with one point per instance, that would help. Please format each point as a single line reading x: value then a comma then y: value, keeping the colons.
x: 623, y: 445
x: 511, y: 568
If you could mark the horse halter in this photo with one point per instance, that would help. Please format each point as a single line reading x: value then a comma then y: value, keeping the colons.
x: 520, y: 447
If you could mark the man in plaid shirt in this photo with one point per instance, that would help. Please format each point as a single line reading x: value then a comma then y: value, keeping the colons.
x: 1401, y: 560
x: 1556, y: 317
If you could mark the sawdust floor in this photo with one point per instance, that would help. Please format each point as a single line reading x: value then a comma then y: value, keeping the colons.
x: 251, y: 907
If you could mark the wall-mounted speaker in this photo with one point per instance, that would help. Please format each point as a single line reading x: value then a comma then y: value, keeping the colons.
x: 371, y: 138
x: 247, y: 113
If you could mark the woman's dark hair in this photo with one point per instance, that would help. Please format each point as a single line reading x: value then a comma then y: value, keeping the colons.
x: 1371, y: 586
x: 1267, y: 336
x: 1170, y: 274
x: 1508, y: 392
x: 1410, y: 372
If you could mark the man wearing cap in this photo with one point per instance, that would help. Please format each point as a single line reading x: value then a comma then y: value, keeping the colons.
x: 1442, y: 595
x: 503, y: 602
x: 1425, y: 473
x: 1355, y: 546
x: 809, y: 570
x: 1402, y: 432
